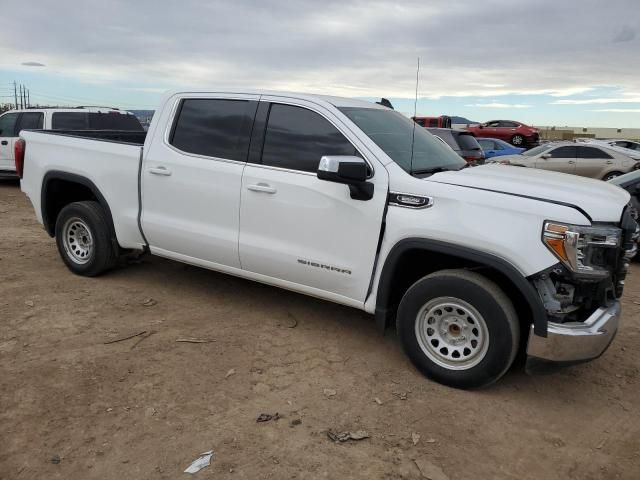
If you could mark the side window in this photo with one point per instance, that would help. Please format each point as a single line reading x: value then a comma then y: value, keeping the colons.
x: 486, y: 144
x: 30, y: 121
x: 433, y: 122
x: 492, y: 124
x: 591, y: 152
x: 214, y: 127
x: 296, y: 138
x: 563, y: 152
x: 69, y: 121
x: 508, y: 124
x: 8, y: 125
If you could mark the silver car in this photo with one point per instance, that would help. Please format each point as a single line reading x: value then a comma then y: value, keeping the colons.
x: 587, y: 160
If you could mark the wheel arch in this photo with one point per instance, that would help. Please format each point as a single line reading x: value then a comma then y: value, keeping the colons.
x: 411, y: 259
x: 59, y: 189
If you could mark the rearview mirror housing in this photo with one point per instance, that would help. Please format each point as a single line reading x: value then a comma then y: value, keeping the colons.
x: 349, y: 170
x: 545, y: 155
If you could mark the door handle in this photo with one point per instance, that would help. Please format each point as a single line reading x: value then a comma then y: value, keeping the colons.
x: 609, y: 162
x: 571, y: 162
x: 4, y: 142
x: 261, y: 187
x: 160, y: 171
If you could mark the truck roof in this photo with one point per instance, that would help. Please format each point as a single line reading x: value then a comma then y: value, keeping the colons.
x: 90, y: 109
x: 333, y: 100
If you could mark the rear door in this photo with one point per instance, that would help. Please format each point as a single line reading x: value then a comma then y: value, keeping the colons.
x: 191, y: 179
x: 559, y: 159
x: 594, y: 162
x: 306, y: 233
x: 8, y: 134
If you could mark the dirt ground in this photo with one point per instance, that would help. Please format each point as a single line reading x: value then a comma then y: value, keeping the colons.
x: 73, y: 407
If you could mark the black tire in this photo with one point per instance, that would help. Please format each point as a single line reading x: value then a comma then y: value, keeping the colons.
x: 517, y: 141
x: 611, y: 175
x: 101, y: 254
x: 495, y: 310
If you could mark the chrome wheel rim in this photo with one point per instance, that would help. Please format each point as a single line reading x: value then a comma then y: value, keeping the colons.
x: 517, y: 140
x: 452, y: 333
x: 77, y: 241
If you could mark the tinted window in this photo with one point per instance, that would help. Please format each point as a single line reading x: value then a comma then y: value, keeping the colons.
x: 467, y: 141
x: 215, y: 128
x: 69, y: 121
x: 8, y: 125
x: 563, y: 152
x: 415, y: 150
x: 30, y: 121
x: 505, y: 123
x: 296, y: 138
x: 114, y: 121
x: 591, y: 152
x: 433, y: 122
x: 492, y: 124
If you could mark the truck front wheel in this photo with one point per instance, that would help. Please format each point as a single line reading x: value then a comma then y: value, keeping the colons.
x: 458, y: 328
x: 84, y: 240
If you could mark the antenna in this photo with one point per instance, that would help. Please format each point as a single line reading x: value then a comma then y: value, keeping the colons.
x: 415, y: 108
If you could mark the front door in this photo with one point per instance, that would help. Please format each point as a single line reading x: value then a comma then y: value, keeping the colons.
x: 560, y: 159
x: 7, y: 136
x: 191, y: 179
x: 306, y: 232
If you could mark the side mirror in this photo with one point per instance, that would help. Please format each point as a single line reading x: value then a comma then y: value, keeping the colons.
x: 480, y: 126
x: 545, y: 155
x: 349, y: 170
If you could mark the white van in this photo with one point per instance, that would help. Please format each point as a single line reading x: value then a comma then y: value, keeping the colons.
x: 73, y: 119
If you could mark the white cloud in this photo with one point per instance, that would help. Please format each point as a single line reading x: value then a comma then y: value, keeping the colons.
x: 591, y: 101
x: 618, y: 110
x: 498, y: 105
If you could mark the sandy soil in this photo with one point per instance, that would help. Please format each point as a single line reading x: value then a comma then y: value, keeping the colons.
x: 73, y: 407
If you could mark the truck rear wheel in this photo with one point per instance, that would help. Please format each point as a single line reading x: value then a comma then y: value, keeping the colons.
x: 83, y: 237
x: 458, y: 328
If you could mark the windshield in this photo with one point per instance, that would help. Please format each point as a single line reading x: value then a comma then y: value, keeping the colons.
x: 627, y: 177
x: 393, y: 133
x: 537, y: 150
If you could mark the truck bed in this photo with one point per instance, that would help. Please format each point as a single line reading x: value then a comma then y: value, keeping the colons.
x: 110, y: 160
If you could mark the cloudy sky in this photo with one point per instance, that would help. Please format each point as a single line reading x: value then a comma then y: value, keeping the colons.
x: 545, y: 62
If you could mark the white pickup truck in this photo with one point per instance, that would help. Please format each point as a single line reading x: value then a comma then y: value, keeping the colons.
x: 347, y: 201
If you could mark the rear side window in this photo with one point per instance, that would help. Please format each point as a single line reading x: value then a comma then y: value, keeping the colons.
x: 8, y: 125
x: 114, y: 121
x: 591, y: 152
x: 215, y: 128
x: 507, y: 124
x: 30, y: 121
x: 296, y: 138
x: 563, y: 152
x: 467, y: 142
x: 69, y: 121
x: 487, y: 144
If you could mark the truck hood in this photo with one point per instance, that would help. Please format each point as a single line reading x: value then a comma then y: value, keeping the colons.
x: 603, y: 202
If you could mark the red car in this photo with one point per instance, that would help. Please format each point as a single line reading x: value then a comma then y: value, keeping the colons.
x: 516, y: 133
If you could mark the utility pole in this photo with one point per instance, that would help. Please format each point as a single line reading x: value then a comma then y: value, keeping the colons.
x: 24, y: 96
x: 15, y: 94
x: 20, y: 96
x: 28, y: 100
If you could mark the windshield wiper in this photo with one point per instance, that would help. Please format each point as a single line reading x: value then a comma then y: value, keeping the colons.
x: 432, y: 170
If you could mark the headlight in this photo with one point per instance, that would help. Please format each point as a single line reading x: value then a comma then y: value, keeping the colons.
x: 586, y: 250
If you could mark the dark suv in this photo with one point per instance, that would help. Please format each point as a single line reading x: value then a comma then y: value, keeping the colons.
x: 463, y: 143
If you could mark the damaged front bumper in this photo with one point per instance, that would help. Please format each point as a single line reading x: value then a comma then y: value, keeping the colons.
x: 573, y: 342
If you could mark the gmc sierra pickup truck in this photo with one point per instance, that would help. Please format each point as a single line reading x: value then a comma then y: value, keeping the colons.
x: 347, y: 201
